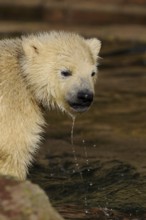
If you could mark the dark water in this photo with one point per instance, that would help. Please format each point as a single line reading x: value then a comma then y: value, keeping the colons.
x: 112, y: 186
x: 110, y: 144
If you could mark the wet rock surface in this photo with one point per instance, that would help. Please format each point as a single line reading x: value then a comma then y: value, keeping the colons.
x: 24, y: 201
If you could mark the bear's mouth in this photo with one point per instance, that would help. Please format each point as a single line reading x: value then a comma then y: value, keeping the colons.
x: 79, y: 107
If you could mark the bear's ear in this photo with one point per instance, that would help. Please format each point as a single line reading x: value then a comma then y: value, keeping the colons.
x: 31, y: 47
x: 94, y: 45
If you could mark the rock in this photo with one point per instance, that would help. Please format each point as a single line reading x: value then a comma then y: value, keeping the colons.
x: 24, y: 200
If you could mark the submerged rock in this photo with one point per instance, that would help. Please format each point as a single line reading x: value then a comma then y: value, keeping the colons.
x: 24, y: 200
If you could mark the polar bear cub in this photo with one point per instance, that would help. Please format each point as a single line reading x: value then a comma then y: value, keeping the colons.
x: 56, y: 69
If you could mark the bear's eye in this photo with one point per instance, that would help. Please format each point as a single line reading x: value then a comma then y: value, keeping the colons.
x: 93, y: 74
x: 66, y: 73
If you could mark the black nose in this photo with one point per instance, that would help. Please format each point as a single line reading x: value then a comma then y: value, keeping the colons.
x: 85, y: 97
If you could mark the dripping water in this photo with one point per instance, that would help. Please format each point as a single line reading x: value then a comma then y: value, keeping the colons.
x: 87, y: 160
x: 77, y: 165
x: 72, y: 143
x: 72, y: 130
x: 86, y: 155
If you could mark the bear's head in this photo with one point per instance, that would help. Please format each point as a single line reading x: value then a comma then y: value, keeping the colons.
x: 61, y: 69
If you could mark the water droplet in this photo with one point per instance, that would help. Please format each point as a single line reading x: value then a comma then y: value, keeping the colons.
x: 86, y: 211
x: 105, y: 210
x: 94, y: 145
x: 83, y: 141
x: 91, y: 184
x: 88, y: 170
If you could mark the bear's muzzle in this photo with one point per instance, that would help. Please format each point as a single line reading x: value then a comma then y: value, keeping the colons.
x: 82, y: 101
